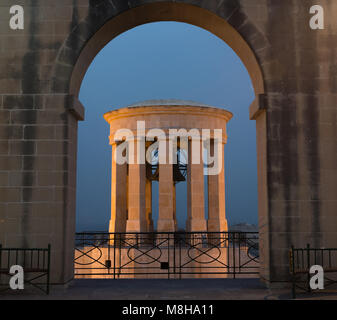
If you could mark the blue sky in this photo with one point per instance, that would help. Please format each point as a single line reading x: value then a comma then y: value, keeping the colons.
x: 165, y: 60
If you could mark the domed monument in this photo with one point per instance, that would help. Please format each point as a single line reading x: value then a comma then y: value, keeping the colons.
x: 168, y: 141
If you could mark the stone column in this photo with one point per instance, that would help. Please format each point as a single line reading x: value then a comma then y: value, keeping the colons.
x: 166, y: 222
x: 136, y: 194
x: 217, y: 221
x: 175, y: 207
x: 148, y: 203
x: 118, y: 195
x: 195, y: 192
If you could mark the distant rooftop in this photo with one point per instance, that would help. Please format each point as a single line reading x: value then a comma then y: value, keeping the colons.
x: 168, y: 102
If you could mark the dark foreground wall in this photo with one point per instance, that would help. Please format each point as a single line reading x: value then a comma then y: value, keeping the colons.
x: 295, y: 111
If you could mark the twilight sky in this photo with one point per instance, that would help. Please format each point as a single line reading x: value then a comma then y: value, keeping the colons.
x: 165, y: 60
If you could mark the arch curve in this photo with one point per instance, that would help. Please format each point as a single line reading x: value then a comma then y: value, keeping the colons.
x: 89, y: 36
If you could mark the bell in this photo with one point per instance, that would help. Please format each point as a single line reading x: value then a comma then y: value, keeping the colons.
x: 152, y: 172
x: 177, y: 175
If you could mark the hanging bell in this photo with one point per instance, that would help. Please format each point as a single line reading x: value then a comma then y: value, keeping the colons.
x: 177, y: 175
x: 152, y: 172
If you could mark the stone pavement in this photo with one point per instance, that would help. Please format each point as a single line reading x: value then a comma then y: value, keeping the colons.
x: 161, y: 289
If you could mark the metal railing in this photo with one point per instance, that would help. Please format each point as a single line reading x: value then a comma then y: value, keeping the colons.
x: 34, y: 261
x: 173, y: 255
x: 301, y: 260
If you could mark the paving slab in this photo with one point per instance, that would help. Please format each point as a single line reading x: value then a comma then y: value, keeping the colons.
x: 161, y: 289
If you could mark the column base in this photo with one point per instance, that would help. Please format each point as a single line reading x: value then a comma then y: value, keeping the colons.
x: 150, y: 226
x: 112, y: 226
x: 116, y: 226
x: 166, y: 225
x: 112, y: 229
x: 216, y: 225
x: 196, y: 225
x: 136, y: 226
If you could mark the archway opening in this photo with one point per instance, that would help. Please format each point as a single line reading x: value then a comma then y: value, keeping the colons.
x: 173, y: 60
x: 208, y: 21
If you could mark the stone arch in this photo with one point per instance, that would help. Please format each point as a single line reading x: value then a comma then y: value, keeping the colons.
x: 89, y: 36
x: 107, y: 20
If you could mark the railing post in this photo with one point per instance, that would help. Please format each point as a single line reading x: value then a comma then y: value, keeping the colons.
x: 0, y: 259
x: 48, y: 266
x: 240, y: 239
x: 174, y: 254
x: 308, y: 262
x: 120, y: 255
x: 168, y: 254
x: 0, y: 255
x: 114, y: 244
x: 292, y: 270
x: 180, y: 257
x: 234, y: 260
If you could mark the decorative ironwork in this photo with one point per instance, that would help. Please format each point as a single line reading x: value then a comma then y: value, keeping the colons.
x: 168, y: 254
x: 91, y: 248
x: 34, y: 261
x: 300, y: 261
x: 201, y: 253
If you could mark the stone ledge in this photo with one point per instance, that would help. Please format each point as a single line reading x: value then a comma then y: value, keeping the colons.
x: 258, y: 106
x: 75, y: 107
